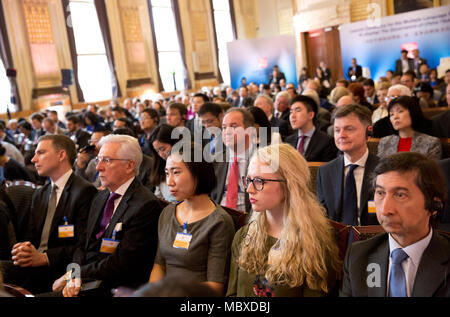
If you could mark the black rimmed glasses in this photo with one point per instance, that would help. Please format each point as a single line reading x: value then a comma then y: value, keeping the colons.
x: 258, y: 182
x: 107, y: 160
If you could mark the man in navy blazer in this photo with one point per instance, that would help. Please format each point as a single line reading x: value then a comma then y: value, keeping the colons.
x: 351, y: 130
x: 316, y: 146
x: 132, y: 227
x: 409, y: 192
x: 46, y: 252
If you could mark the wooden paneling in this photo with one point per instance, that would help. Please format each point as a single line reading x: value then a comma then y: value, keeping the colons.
x: 322, y: 45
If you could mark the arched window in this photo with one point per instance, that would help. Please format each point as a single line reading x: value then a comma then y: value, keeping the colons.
x: 170, y: 63
x: 224, y: 34
x: 5, y: 90
x: 94, y: 74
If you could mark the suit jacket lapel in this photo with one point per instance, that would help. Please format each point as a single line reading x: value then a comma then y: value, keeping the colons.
x: 433, y: 267
x: 42, y: 208
x: 96, y: 212
x: 380, y: 257
x: 337, y: 183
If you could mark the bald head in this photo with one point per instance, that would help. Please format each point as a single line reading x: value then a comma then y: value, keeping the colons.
x: 345, y: 100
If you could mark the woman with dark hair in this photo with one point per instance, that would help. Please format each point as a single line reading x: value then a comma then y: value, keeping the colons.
x: 195, y: 235
x: 406, y: 117
x: 357, y: 90
x: 8, y: 225
x: 12, y: 170
x: 92, y: 121
x: 161, y: 144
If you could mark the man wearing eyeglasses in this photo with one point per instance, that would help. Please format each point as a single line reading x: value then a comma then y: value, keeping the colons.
x: 383, y: 127
x: 57, y: 220
x: 121, y: 236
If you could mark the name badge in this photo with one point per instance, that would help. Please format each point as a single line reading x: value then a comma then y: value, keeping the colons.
x: 182, y: 241
x: 66, y: 231
x: 371, y: 207
x: 109, y: 246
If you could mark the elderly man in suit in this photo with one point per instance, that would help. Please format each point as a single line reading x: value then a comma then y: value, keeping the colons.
x: 121, y: 237
x: 313, y: 144
x: 265, y: 103
x: 343, y: 185
x: 411, y: 259
x: 57, y: 220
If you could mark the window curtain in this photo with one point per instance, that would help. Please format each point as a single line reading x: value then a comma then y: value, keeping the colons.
x: 73, y: 49
x: 233, y: 18
x: 106, y: 34
x: 215, y: 42
x: 6, y: 57
x: 176, y: 12
x: 155, y: 45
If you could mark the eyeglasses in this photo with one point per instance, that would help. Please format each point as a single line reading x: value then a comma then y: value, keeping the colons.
x: 107, y: 160
x: 258, y: 182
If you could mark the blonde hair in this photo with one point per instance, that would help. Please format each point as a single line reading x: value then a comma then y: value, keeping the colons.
x: 307, y: 249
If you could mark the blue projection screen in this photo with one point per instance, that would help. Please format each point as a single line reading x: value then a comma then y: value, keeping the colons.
x: 377, y: 47
x: 254, y: 59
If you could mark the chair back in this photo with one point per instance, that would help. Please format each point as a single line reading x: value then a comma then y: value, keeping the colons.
x: 314, y: 169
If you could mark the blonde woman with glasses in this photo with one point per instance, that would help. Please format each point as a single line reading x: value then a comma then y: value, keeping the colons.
x: 288, y: 247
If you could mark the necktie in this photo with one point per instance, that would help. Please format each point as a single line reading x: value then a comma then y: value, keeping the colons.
x: 350, y: 198
x: 233, y: 183
x: 107, y: 214
x: 397, y: 280
x: 301, y: 146
x: 48, y: 220
x: 212, y: 145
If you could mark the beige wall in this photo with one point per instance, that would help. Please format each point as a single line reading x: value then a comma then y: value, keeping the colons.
x: 133, y: 43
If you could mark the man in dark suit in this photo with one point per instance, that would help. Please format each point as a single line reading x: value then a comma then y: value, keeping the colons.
x: 265, y: 103
x: 80, y: 137
x: 121, y: 236
x: 281, y: 105
x: 57, y: 220
x: 276, y: 75
x: 244, y: 100
x: 354, y: 71
x: 411, y: 259
x: 230, y: 190
x: 404, y: 63
x: 313, y: 144
x: 349, y: 204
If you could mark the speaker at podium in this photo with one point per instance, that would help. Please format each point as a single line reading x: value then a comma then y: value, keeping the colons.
x: 67, y: 77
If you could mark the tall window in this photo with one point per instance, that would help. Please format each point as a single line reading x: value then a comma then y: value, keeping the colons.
x: 94, y: 74
x: 5, y: 90
x: 224, y: 32
x: 170, y: 64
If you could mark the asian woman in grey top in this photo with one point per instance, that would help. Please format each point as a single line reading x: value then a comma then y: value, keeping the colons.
x: 195, y: 235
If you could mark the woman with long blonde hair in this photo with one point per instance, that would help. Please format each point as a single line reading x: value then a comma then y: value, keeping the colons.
x: 288, y: 247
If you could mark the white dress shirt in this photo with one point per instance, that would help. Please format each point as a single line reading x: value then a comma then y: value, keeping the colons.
x: 411, y: 264
x: 61, y: 183
x: 358, y: 173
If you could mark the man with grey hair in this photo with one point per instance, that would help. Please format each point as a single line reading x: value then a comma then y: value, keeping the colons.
x: 383, y: 127
x: 265, y: 103
x: 122, y: 230
x: 282, y: 102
